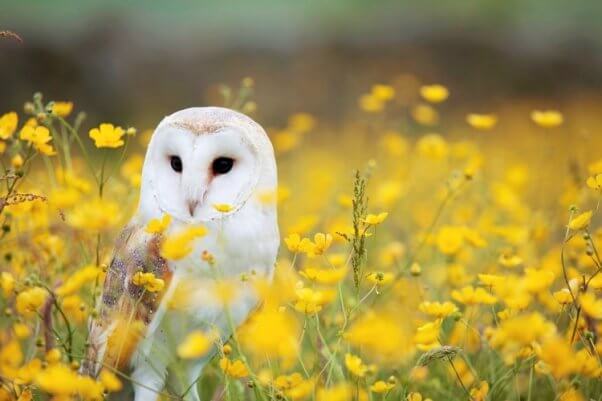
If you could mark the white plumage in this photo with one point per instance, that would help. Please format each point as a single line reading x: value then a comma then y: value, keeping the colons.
x: 187, y: 170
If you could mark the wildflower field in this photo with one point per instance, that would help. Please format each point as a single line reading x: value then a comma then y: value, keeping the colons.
x: 427, y: 252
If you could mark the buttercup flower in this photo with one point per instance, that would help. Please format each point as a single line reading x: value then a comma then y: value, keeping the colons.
x: 437, y: 309
x: 547, y: 118
x: 223, y: 207
x: 595, y: 182
x: 381, y: 386
x: 434, y: 93
x: 471, y: 296
x: 482, y: 121
x: 62, y: 109
x: 235, y: 369
x: 355, y: 365
x: 30, y: 300
x: 8, y: 125
x: 195, y: 345
x: 158, y: 226
x: 581, y: 221
x: 179, y: 245
x: 107, y: 136
x: 148, y: 281
x: 374, y: 219
x: 39, y: 138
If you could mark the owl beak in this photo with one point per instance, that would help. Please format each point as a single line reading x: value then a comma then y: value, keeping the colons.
x: 192, y: 204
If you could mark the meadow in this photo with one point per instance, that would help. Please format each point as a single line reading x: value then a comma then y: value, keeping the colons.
x: 428, y: 253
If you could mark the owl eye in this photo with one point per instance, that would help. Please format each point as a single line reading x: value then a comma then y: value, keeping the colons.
x: 222, y: 165
x: 176, y: 163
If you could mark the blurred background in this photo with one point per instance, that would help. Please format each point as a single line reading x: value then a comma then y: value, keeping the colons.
x: 135, y: 61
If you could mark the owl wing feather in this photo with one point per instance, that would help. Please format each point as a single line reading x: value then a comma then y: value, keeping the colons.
x: 126, y: 309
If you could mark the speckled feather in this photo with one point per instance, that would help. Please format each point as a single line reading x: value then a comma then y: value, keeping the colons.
x: 135, y: 251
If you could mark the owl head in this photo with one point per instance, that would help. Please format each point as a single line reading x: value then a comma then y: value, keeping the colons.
x: 201, y: 157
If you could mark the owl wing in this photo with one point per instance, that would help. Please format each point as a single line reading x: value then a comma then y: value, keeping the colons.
x: 126, y: 309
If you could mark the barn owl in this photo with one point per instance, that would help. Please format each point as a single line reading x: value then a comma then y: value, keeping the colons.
x: 197, y: 158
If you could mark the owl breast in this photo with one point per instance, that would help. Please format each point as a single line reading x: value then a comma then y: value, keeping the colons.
x: 219, y: 295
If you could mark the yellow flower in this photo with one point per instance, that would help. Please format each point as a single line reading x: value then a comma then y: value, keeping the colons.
x: 21, y: 330
x: 383, y: 92
x: 321, y: 243
x: 415, y: 269
x: 581, y: 221
x: 480, y: 393
x: 472, y: 296
x: 285, y: 141
x: 78, y: 279
x: 434, y: 93
x: 509, y: 260
x: 324, y: 276
x: 482, y: 121
x: 148, y: 281
x: 450, y: 239
x: 110, y: 381
x: 538, y: 280
x: 17, y: 161
x: 370, y: 103
x: 381, y: 386
x: 7, y: 283
x: 39, y: 137
x: 355, y: 365
x: 75, y: 308
x: 107, y: 136
x: 490, y: 280
x: 515, y: 332
x: 11, y: 357
x: 547, y: 118
x: 53, y: 355
x: 8, y: 124
x: 29, y: 301
x: 374, y: 219
x: 301, y: 122
x: 571, y: 394
x: 437, y: 309
x: 195, y: 345
x: 223, y: 207
x: 340, y: 392
x: 591, y: 306
x: 563, y: 296
x: 292, y: 242
x: 425, y: 114
x: 271, y: 333
x: 179, y: 245
x: 235, y: 369
x: 380, y: 278
x: 427, y: 336
x: 414, y: 396
x: 558, y: 355
x: 158, y: 226
x: 62, y: 109
x: 294, y: 386
x: 310, y: 301
x: 57, y: 379
x: 595, y: 182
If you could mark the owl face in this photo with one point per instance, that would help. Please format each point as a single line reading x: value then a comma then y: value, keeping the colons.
x: 201, y: 157
x: 194, y: 172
